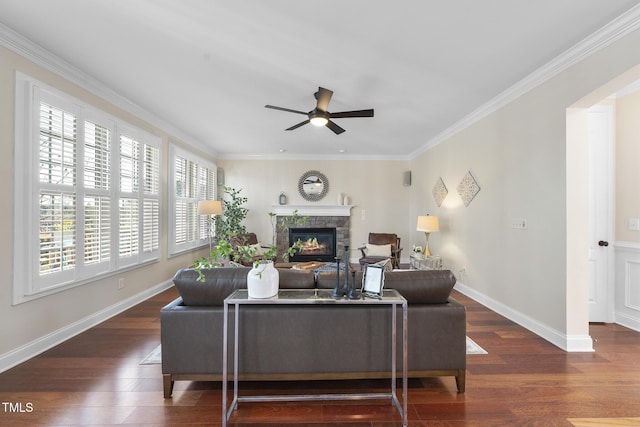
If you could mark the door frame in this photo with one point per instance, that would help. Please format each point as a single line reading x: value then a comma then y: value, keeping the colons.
x: 608, y: 163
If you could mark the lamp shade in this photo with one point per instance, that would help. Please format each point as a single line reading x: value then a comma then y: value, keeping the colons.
x: 209, y: 207
x: 428, y: 224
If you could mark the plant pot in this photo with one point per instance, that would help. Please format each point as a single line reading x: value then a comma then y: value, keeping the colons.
x: 263, y: 280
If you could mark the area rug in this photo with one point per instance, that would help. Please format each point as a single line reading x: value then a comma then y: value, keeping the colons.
x: 155, y: 356
x: 474, y: 348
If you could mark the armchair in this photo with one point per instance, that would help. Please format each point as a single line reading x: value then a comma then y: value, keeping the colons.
x: 246, y: 239
x: 370, y: 256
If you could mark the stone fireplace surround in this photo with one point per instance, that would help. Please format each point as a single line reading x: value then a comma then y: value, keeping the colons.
x: 320, y: 216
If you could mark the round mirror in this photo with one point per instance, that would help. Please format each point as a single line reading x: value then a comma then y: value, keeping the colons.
x: 313, y: 186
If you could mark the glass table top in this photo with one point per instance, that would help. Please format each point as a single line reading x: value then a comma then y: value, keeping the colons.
x: 313, y: 296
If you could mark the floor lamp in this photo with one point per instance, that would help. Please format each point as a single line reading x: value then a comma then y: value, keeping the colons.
x: 428, y: 224
x: 210, y: 208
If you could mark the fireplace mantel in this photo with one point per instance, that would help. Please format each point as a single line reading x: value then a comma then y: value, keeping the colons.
x: 313, y: 210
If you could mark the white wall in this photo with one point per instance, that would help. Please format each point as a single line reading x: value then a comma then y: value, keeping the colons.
x: 627, y: 170
x: 627, y: 245
x: 375, y: 189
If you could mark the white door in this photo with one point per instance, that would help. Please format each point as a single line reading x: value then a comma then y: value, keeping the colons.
x: 601, y: 286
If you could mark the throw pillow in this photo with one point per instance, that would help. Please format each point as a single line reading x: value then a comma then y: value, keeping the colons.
x: 378, y: 250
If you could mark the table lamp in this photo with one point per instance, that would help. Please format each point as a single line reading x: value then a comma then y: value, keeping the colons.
x: 210, y: 208
x: 428, y: 224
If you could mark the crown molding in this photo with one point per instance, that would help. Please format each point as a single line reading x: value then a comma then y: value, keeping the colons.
x: 623, y: 25
x: 38, y: 55
x: 330, y: 157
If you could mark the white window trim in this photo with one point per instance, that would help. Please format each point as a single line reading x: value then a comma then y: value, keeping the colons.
x: 175, y: 249
x: 26, y: 194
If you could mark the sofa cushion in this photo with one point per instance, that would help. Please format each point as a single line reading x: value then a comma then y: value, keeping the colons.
x: 221, y: 282
x: 296, y: 279
x: 327, y: 279
x: 417, y: 286
x: 421, y: 286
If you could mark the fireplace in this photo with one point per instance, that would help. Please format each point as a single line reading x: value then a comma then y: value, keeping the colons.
x: 318, y: 244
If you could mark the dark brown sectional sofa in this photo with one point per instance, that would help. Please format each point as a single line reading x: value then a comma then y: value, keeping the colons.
x: 290, y: 342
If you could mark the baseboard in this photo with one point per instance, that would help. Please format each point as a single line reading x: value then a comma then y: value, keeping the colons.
x: 23, y: 353
x: 569, y: 343
x: 627, y: 321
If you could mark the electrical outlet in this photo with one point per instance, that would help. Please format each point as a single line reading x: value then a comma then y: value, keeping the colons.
x: 121, y: 283
x: 634, y: 224
x: 519, y: 223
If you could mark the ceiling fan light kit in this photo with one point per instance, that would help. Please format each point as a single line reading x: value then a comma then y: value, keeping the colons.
x: 319, y: 116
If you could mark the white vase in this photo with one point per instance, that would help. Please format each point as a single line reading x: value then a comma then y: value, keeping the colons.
x: 263, y: 280
x: 341, y: 198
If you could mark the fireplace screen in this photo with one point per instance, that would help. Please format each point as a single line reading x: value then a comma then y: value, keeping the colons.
x: 318, y: 244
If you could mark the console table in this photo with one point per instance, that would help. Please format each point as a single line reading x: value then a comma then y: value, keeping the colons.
x: 239, y: 298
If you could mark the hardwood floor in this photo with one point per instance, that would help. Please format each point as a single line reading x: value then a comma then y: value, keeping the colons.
x: 96, y: 379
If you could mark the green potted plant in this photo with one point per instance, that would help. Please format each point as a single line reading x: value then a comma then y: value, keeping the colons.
x: 227, y: 225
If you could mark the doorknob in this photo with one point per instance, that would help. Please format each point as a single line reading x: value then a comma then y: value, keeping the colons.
x: 603, y: 243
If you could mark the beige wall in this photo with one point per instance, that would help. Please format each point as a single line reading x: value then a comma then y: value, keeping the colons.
x: 527, y: 169
x: 375, y: 189
x: 32, y: 323
x: 627, y: 157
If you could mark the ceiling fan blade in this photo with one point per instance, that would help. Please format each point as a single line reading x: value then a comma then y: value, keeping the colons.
x: 323, y: 96
x: 334, y: 127
x: 298, y: 125
x: 285, y: 109
x: 357, y: 113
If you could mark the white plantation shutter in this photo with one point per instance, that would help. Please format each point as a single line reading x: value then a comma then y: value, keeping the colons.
x: 57, y: 223
x: 57, y: 232
x: 151, y: 227
x: 97, y: 156
x: 192, y: 179
x: 97, y: 229
x: 57, y: 146
x: 95, y: 182
x: 98, y: 195
x: 151, y: 201
x: 128, y: 228
x: 139, y: 199
x: 129, y: 164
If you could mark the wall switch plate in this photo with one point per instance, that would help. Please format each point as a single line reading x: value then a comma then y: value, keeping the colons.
x: 519, y: 223
x: 634, y: 224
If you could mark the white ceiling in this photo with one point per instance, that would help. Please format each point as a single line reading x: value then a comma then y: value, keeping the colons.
x: 208, y: 67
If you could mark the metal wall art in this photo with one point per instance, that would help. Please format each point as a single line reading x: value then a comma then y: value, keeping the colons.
x: 468, y: 188
x: 313, y: 185
x: 439, y: 192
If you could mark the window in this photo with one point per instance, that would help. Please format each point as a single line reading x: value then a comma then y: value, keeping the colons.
x: 192, y: 180
x: 87, y: 197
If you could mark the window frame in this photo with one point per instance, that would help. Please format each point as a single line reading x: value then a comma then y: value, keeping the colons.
x: 174, y: 248
x: 29, y: 282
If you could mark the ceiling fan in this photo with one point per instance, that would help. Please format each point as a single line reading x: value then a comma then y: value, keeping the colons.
x: 319, y: 116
